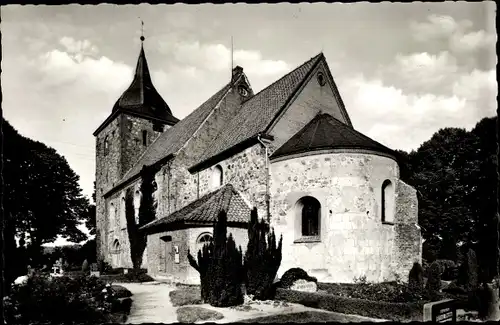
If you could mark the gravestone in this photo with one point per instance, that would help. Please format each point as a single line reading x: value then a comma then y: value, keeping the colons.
x: 304, y: 285
x: 440, y: 311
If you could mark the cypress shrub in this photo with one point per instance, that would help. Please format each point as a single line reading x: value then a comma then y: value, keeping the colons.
x: 220, y: 267
x: 85, y: 266
x: 416, y: 278
x: 434, y: 280
x: 468, y: 272
x: 262, y: 258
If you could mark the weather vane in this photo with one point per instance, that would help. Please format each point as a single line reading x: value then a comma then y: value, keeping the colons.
x: 142, y: 30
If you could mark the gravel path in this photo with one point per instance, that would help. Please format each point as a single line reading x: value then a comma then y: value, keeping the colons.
x: 151, y: 303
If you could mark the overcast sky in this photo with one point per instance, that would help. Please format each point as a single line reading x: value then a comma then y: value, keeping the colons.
x: 403, y: 70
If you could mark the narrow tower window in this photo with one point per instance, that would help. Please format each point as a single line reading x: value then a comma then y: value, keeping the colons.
x: 144, y: 138
x: 106, y: 146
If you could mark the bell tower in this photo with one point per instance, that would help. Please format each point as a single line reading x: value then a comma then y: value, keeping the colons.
x: 138, y: 117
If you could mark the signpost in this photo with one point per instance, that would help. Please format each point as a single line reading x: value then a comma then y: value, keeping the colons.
x: 440, y: 311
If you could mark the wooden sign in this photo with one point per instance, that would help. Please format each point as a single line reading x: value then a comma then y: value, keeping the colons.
x: 440, y: 311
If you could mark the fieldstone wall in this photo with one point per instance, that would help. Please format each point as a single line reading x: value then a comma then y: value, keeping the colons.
x: 353, y: 240
x: 132, y: 145
x: 246, y: 171
x: 185, y: 239
x: 408, y: 239
x: 124, y: 136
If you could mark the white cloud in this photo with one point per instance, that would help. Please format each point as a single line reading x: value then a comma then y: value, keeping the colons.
x: 403, y: 120
x: 447, y: 29
x: 473, y: 41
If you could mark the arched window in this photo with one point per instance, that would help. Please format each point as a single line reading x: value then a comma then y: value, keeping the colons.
x: 106, y: 146
x: 144, y: 138
x: 217, y: 177
x: 309, y: 210
x: 116, y: 246
x: 115, y: 251
x: 387, y: 202
x: 202, y: 240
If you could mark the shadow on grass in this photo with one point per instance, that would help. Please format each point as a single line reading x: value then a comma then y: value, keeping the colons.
x: 301, y: 317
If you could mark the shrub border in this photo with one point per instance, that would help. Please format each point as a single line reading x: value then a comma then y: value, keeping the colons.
x: 367, y: 308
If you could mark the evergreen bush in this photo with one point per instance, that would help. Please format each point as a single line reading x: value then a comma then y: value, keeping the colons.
x: 468, y: 272
x: 434, y: 280
x: 220, y: 267
x: 294, y: 274
x: 262, y: 258
x: 416, y: 278
x: 85, y: 266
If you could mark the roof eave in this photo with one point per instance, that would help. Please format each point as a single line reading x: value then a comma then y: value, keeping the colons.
x: 132, y: 178
x: 245, y: 144
x: 133, y: 113
x: 331, y: 149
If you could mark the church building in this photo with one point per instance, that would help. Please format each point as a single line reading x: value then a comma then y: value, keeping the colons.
x: 290, y: 150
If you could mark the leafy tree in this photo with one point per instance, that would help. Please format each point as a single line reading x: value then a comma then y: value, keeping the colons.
x: 455, y: 175
x: 42, y: 197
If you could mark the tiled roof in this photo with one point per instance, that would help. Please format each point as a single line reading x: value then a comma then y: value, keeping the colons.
x: 258, y: 112
x: 141, y: 96
x: 326, y: 132
x: 170, y: 141
x: 207, y: 208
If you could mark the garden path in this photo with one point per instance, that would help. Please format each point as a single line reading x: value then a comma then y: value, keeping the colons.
x: 151, y: 304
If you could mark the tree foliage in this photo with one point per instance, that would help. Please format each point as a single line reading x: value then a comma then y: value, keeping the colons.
x: 454, y: 174
x: 42, y: 197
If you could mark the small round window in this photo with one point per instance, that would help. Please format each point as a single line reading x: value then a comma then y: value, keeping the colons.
x: 243, y: 91
x: 321, y: 79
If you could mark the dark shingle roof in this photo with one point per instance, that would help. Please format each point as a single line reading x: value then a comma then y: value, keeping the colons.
x: 170, y: 141
x: 258, y: 112
x: 207, y: 208
x: 142, y: 97
x: 326, y: 132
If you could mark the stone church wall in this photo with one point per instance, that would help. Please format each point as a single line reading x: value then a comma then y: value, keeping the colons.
x: 353, y: 240
x: 246, y: 171
x: 184, y: 239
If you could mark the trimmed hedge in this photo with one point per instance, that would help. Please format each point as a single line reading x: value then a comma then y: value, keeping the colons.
x: 375, y: 309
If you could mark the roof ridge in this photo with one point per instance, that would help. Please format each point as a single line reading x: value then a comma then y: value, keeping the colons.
x: 315, y: 129
x: 283, y: 77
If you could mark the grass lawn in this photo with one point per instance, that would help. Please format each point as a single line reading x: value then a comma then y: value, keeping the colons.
x: 185, y: 295
x: 301, y: 317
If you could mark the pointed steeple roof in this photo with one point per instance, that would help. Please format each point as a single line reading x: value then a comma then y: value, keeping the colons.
x: 142, y: 98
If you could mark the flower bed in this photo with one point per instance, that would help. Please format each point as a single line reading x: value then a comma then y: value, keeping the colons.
x: 81, y: 300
